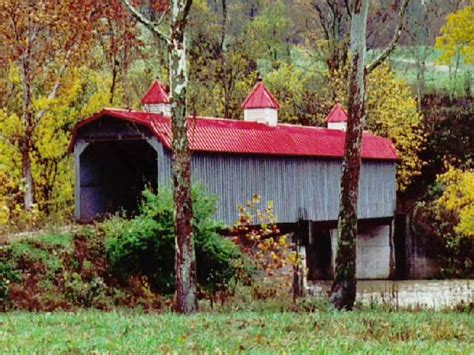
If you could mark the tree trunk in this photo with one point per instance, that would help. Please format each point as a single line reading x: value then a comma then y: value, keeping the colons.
x: 28, y: 198
x: 343, y: 290
x: 185, y: 267
x: 420, y: 81
x: 298, y: 288
x: 185, y: 262
x: 114, y: 80
x: 468, y: 84
x: 25, y: 141
x: 337, y: 34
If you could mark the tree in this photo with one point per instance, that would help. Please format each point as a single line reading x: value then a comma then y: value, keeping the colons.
x: 118, y: 41
x: 392, y: 113
x: 83, y: 92
x: 42, y: 38
x: 456, y: 43
x: 421, y: 39
x: 175, y: 41
x: 343, y: 289
x: 458, y: 198
x: 305, y: 98
x: 270, y: 33
x: 5, y: 184
x: 457, y: 36
x: 332, y: 24
x: 449, y: 136
x: 222, y: 70
x: 454, y: 220
x: 324, y: 25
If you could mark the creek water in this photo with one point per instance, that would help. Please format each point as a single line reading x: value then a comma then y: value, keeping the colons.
x: 429, y: 294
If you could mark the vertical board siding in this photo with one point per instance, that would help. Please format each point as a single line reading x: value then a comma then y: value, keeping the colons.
x: 299, y: 187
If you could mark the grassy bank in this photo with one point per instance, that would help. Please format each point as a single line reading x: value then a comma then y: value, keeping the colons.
x: 319, y: 332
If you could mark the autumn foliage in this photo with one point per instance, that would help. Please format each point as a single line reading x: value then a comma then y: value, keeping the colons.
x: 457, y: 37
x: 48, y: 83
x: 273, y: 253
x: 258, y: 236
x: 62, y: 61
x: 457, y: 199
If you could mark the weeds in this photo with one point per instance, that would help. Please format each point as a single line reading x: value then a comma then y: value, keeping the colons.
x: 231, y: 332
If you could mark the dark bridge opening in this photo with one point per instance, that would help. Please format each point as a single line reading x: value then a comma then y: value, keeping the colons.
x: 316, y: 238
x: 319, y: 252
x: 113, y: 175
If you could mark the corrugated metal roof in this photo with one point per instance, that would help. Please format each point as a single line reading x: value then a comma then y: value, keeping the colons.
x: 243, y: 137
x: 337, y: 114
x: 260, y: 97
x: 155, y: 95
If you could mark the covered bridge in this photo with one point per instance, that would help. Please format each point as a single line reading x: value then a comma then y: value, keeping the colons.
x: 118, y: 152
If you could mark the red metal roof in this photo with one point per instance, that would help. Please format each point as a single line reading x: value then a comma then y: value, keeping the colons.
x: 337, y: 114
x: 243, y: 137
x: 155, y: 95
x: 260, y: 97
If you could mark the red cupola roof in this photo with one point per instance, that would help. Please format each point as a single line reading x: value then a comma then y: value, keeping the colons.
x: 260, y: 97
x: 337, y: 114
x: 155, y: 95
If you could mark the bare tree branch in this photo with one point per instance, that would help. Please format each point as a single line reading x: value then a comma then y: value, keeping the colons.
x: 348, y: 8
x: 394, y: 41
x: 8, y: 141
x: 147, y: 23
x: 162, y: 17
x: 333, y: 8
x: 321, y: 20
x: 54, y: 90
x: 224, y: 24
x: 184, y: 12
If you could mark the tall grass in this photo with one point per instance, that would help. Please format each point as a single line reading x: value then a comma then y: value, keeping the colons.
x: 262, y: 332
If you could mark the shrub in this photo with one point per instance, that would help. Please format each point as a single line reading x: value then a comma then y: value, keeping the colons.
x: 7, y: 275
x: 30, y: 269
x: 145, y: 245
x: 446, y: 218
x: 84, y: 293
x: 455, y: 213
x: 271, y: 250
x: 50, y: 272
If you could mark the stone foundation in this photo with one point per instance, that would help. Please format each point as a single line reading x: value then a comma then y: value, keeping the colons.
x: 374, y: 252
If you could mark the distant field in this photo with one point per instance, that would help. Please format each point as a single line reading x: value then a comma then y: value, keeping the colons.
x: 403, y: 62
x: 437, y: 75
x: 326, y: 332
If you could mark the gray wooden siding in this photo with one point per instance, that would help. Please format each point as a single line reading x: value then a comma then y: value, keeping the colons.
x: 299, y: 187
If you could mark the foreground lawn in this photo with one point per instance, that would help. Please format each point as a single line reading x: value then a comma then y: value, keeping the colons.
x: 321, y: 332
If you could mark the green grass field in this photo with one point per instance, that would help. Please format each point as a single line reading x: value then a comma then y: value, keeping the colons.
x: 327, y: 332
x: 403, y: 63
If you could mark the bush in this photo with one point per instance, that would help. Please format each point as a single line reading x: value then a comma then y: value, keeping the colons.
x: 7, y: 275
x: 145, y: 245
x: 455, y: 213
x: 51, y: 272
x: 446, y: 217
x: 30, y: 271
x: 82, y: 292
